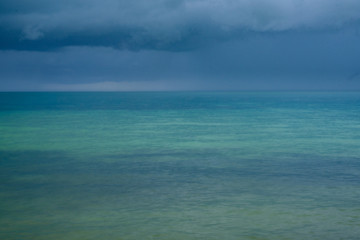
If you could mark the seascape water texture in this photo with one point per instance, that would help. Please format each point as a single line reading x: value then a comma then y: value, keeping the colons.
x: 180, y: 165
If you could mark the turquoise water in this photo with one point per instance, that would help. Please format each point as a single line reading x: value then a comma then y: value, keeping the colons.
x: 184, y: 165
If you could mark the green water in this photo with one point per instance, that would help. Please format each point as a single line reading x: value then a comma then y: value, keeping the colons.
x: 186, y: 165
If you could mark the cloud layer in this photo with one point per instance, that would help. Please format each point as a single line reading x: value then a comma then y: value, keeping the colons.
x: 179, y: 45
x: 172, y: 25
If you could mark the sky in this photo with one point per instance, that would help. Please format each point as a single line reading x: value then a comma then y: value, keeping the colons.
x: 169, y: 45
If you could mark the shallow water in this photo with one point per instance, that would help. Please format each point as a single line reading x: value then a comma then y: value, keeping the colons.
x: 186, y: 165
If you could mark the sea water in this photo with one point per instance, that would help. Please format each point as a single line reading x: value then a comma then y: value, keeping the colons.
x: 180, y: 165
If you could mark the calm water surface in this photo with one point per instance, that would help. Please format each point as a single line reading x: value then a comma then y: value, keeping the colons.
x: 185, y: 165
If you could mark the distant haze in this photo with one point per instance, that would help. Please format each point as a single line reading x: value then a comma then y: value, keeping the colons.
x: 116, y: 45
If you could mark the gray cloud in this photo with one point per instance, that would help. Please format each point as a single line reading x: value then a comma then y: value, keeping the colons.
x: 185, y: 45
x: 174, y: 25
x: 295, y: 60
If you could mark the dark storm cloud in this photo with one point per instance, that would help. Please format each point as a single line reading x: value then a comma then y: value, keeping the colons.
x: 173, y: 25
x: 179, y: 45
x: 295, y: 61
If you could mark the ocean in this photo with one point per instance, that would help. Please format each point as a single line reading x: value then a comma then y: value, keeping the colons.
x: 180, y: 165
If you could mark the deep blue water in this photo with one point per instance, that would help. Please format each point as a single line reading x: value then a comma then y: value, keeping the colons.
x: 180, y: 165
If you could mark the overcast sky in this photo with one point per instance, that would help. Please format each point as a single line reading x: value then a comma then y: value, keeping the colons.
x: 179, y: 45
